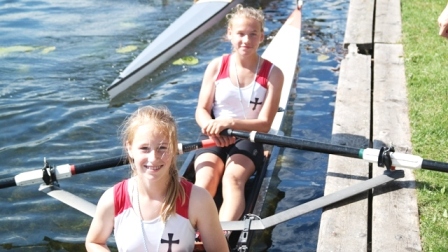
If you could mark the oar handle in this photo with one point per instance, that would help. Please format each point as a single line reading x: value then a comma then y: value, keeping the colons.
x: 194, y: 146
x: 68, y: 170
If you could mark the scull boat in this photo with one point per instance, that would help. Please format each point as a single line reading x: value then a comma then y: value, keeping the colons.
x: 200, y: 17
x: 287, y: 38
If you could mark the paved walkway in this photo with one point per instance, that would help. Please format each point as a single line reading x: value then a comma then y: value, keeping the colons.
x: 371, y: 111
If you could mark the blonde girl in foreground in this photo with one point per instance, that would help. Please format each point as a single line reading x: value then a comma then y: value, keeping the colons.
x: 154, y: 210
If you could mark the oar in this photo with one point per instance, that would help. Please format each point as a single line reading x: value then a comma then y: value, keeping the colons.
x: 48, y: 174
x: 384, y: 156
x: 69, y: 199
x: 315, y: 204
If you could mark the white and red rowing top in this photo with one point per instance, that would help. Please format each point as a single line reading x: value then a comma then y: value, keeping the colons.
x: 177, y: 234
x: 227, y: 103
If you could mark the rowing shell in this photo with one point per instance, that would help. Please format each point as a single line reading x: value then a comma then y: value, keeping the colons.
x: 200, y: 17
x: 287, y: 39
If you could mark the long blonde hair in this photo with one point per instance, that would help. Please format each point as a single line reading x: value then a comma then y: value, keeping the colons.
x: 162, y: 119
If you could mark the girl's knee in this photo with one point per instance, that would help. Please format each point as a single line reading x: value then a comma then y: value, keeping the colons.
x: 232, y: 181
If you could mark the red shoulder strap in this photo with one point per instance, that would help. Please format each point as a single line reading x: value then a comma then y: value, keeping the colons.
x: 121, y: 197
x: 224, y: 68
x: 182, y: 209
x: 263, y: 73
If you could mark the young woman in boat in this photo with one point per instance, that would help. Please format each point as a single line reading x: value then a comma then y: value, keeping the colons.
x: 154, y: 210
x: 240, y: 91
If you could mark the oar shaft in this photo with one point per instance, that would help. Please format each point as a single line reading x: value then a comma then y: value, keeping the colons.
x: 121, y: 160
x: 98, y: 165
x: 434, y: 165
x: 7, y: 182
x: 295, y: 143
x: 67, y: 170
x: 369, y: 154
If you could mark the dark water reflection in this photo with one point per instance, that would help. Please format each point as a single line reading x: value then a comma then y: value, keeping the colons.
x: 58, y: 57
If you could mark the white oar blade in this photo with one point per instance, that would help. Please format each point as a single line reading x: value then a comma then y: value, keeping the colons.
x: 69, y: 199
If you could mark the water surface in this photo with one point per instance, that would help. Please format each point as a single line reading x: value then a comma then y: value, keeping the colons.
x: 58, y: 57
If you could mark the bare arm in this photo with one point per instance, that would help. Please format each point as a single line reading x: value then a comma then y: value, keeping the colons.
x: 204, y: 215
x: 207, y: 94
x: 102, y: 223
x: 205, y: 104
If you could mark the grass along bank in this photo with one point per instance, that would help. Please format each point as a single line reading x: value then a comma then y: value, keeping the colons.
x: 426, y: 62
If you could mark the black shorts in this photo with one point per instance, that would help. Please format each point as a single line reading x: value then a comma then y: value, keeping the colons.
x: 254, y: 151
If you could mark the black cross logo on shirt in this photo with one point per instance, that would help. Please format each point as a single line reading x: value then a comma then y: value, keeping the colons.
x: 170, y: 241
x: 255, y: 103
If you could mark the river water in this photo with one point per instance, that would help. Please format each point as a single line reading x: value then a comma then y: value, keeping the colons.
x: 58, y: 57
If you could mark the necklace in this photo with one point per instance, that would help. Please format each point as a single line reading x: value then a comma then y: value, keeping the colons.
x: 253, y: 86
x: 141, y: 218
x: 141, y: 215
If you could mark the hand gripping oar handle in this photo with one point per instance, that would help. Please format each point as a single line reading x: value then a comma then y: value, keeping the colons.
x: 68, y: 170
x: 369, y: 154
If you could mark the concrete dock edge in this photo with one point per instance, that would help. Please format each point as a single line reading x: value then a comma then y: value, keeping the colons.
x: 371, y: 111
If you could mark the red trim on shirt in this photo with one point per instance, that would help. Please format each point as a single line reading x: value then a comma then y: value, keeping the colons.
x: 121, y: 197
x: 182, y: 210
x: 262, y: 75
x: 224, y: 68
x: 122, y: 200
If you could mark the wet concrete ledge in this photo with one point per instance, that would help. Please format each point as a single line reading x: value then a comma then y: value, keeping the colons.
x: 371, y: 110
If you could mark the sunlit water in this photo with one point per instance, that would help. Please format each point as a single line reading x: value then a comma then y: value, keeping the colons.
x: 58, y: 57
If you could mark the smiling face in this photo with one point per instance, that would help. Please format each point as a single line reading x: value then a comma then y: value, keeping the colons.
x: 151, y: 152
x: 245, y: 34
